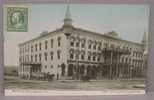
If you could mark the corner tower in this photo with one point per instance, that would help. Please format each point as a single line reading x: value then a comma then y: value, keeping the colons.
x: 145, y: 41
x: 67, y: 19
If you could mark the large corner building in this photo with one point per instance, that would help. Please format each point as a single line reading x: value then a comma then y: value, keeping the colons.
x: 71, y: 53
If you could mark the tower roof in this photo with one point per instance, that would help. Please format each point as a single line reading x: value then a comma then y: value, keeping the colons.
x: 68, y: 19
x: 68, y: 14
x: 145, y: 37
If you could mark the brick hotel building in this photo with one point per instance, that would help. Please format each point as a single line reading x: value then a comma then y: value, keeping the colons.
x: 70, y: 53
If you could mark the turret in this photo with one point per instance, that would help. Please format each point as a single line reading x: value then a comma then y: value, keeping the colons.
x: 67, y: 19
x: 145, y: 41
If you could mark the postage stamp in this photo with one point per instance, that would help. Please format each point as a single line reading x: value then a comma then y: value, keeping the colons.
x: 17, y: 19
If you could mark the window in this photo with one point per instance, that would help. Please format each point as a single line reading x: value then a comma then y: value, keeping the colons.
x: 51, y: 66
x: 58, y: 54
x: 77, y: 44
x: 89, y: 46
x: 98, y: 59
x: 23, y: 49
x: 31, y: 58
x: 89, y: 57
x: 99, y: 47
x: 72, y: 43
x: 45, y: 66
x: 20, y: 50
x: 77, y: 56
x: 35, y: 58
x: 40, y: 46
x: 94, y: 47
x: 35, y: 47
x: 28, y: 48
x: 71, y: 56
x: 129, y: 60
x: 51, y: 55
x: 20, y: 59
x: 59, y: 66
x: 40, y: 57
x: 94, y: 58
x: 46, y: 45
x: 59, y: 41
x: 82, y: 56
x: 27, y: 58
x: 46, y: 56
x: 32, y: 48
x: 51, y: 43
x: 83, y: 45
x: 126, y: 60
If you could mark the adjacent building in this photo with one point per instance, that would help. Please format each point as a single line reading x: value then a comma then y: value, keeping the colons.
x: 71, y: 53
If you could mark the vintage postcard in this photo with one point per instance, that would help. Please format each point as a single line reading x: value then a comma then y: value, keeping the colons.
x: 75, y: 49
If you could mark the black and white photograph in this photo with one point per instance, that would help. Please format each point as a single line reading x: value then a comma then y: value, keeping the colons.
x: 77, y: 49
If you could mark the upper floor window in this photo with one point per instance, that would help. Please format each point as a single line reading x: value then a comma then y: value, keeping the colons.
x: 20, y: 50
x: 35, y: 58
x: 35, y: 47
x: 89, y: 57
x: 77, y: 44
x: 46, y: 45
x: 71, y: 53
x: 59, y: 41
x: 32, y: 48
x: 45, y: 66
x: 82, y: 56
x: 27, y: 58
x: 98, y: 59
x: 51, y: 66
x: 24, y: 49
x: 83, y: 45
x: 46, y: 56
x: 40, y: 46
x: 71, y: 56
x: 40, y: 56
x: 31, y: 58
x: 77, y: 56
x: 51, y: 43
x: 72, y: 43
x: 20, y: 59
x: 51, y: 55
x: 58, y: 54
x: 89, y: 46
x: 126, y: 60
x: 94, y: 46
x: 106, y: 45
x: 99, y: 46
x: 72, y: 39
x: 28, y: 48
x: 83, y: 41
x: 94, y: 58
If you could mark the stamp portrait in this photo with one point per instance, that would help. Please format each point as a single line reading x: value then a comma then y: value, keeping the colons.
x: 17, y: 19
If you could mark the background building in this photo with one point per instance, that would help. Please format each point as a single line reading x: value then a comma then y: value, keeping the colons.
x: 71, y: 53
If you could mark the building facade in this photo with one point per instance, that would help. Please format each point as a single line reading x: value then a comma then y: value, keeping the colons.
x: 71, y: 53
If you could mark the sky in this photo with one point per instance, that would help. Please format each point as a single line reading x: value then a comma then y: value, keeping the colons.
x: 130, y: 21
